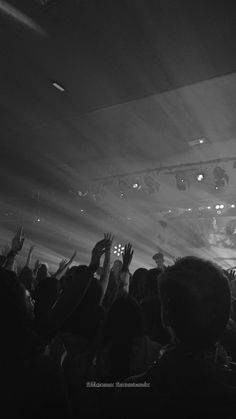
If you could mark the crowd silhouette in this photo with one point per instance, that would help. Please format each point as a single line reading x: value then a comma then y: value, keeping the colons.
x: 97, y: 341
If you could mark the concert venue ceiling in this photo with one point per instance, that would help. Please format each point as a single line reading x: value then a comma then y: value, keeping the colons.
x: 109, y: 111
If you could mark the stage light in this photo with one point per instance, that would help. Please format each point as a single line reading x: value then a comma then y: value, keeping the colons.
x: 181, y: 181
x: 137, y: 185
x: 58, y: 86
x: 221, y: 177
x: 82, y: 193
x: 200, y: 177
x: 118, y: 250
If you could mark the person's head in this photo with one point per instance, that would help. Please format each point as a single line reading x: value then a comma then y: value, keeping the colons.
x: 138, y: 284
x: 124, y: 320
x: 196, y: 300
x: 26, y: 278
x: 159, y: 259
x: 124, y: 324
x: 86, y: 318
x: 151, y: 289
x: 16, y: 306
x: 42, y: 272
x: 117, y: 266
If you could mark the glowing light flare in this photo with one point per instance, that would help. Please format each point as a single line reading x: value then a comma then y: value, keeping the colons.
x: 119, y: 249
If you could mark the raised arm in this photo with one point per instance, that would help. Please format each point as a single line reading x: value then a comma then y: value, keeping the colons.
x: 63, y: 266
x: 16, y: 246
x: 125, y: 275
x: 28, y: 260
x: 106, y: 264
x: 97, y: 252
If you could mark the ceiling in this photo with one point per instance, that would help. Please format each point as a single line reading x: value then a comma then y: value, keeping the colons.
x: 141, y: 79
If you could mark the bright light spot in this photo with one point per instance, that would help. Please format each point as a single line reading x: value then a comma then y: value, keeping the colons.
x: 135, y: 185
x: 38, y: 220
x: 81, y: 210
x: 201, y: 141
x: 222, y: 206
x: 200, y: 177
x: 209, y: 207
x: 217, y: 206
x: 169, y: 211
x: 232, y: 206
x: 189, y: 209
x: 58, y: 86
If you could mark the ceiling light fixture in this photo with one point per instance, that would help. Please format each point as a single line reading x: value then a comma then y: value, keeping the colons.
x: 58, y: 86
x: 200, y: 177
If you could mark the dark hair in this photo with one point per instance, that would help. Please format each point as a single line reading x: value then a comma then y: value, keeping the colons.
x: 124, y: 323
x: 26, y: 278
x: 197, y: 294
x: 138, y: 284
x: 86, y: 318
x: 15, y: 322
x: 151, y: 288
x: 42, y: 272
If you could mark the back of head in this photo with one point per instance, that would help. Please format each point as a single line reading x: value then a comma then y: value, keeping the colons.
x: 86, y: 318
x: 124, y: 320
x: 138, y: 284
x: 42, y: 272
x: 196, y: 301
x: 151, y: 288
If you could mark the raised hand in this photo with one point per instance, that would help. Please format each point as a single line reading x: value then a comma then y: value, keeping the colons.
x: 18, y: 240
x: 37, y: 265
x: 99, y: 249
x: 231, y: 275
x: 63, y: 263
x: 127, y: 257
x: 109, y: 239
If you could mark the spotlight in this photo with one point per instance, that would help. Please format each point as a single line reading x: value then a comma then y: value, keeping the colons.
x: 119, y: 249
x: 222, y: 206
x: 221, y: 177
x: 180, y: 181
x: 82, y: 193
x: 200, y: 177
x: 232, y: 206
x: 137, y: 185
x: 217, y: 206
